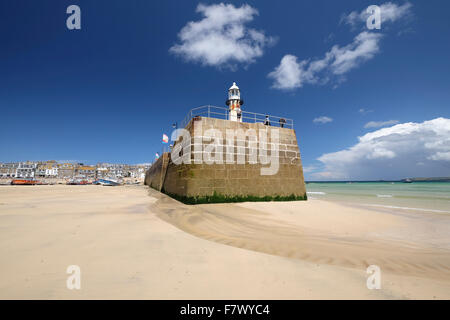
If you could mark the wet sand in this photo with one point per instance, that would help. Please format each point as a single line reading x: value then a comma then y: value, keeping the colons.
x: 132, y: 242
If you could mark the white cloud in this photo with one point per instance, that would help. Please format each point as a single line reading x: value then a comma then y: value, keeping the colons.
x: 308, y: 169
x: 440, y: 156
x: 322, y: 119
x: 291, y: 74
x: 363, y: 48
x: 403, y: 150
x: 221, y: 37
x: 288, y: 75
x: 389, y: 12
x: 379, y: 124
x: 364, y: 111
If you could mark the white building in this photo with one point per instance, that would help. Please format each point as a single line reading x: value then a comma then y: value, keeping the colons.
x: 26, y: 170
x: 47, y: 169
x: 51, y: 172
x: 102, y: 172
x: 8, y: 170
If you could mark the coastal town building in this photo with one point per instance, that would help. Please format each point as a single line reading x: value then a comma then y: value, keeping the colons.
x: 102, y: 172
x: 51, y: 171
x: 138, y: 172
x: 8, y: 170
x: 26, y: 170
x: 87, y: 172
x: 48, y: 170
x: 40, y: 170
x: 114, y: 169
x: 66, y: 170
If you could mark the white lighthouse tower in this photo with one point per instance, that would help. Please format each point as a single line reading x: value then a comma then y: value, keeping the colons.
x: 234, y: 103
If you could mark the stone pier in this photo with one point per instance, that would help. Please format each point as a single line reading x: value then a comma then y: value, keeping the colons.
x: 240, y: 174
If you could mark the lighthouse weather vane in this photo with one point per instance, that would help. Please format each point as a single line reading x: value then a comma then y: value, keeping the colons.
x: 234, y: 103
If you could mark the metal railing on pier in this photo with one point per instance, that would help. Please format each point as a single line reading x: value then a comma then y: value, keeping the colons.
x: 246, y: 116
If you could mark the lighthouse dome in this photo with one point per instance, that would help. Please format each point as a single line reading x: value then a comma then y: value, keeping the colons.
x: 234, y: 97
x: 234, y: 86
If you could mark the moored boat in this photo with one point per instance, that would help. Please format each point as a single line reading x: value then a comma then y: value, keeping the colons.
x: 24, y: 182
x: 78, y: 182
x: 107, y: 182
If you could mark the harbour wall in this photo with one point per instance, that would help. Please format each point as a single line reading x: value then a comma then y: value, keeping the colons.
x: 206, y: 175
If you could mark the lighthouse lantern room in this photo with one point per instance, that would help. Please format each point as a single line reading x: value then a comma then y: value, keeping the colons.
x: 234, y: 103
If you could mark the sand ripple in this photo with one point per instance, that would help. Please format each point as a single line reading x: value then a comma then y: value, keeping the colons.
x: 268, y: 232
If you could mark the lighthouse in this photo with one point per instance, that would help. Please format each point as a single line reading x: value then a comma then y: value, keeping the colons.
x: 234, y: 103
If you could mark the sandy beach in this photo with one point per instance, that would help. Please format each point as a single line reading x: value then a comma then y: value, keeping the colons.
x: 132, y: 242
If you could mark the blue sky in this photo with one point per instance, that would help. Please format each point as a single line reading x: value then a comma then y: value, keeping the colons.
x: 107, y: 92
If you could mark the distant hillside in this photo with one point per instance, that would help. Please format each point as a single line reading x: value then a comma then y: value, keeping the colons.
x: 436, y: 179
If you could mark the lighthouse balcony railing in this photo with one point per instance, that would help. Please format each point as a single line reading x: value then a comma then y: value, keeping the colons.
x: 246, y: 116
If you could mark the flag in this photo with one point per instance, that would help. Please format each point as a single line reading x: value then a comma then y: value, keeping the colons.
x: 165, y: 139
x: 157, y: 155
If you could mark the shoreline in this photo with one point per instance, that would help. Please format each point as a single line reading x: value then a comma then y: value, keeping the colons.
x: 132, y: 242
x: 357, y: 244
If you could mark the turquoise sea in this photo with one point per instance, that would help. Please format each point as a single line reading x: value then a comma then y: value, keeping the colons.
x: 416, y: 196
